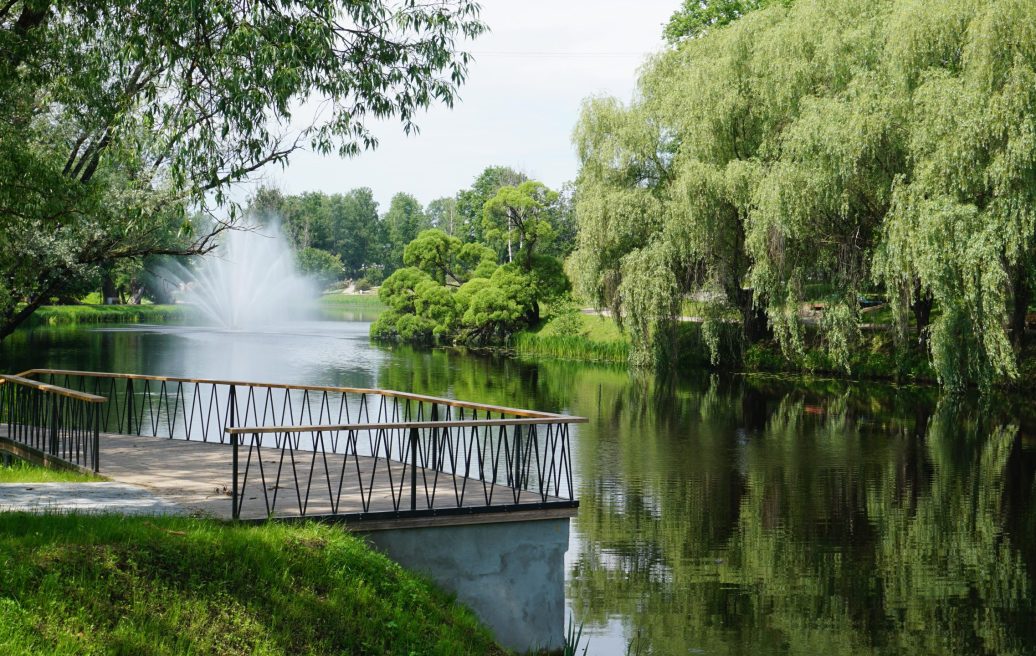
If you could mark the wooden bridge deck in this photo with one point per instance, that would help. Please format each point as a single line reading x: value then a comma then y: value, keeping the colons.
x: 198, y: 476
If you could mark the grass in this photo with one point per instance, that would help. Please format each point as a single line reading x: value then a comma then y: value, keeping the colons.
x: 575, y: 337
x: 77, y: 584
x: 59, y: 315
x: 87, y: 313
x: 365, y: 301
x: 23, y: 472
x: 570, y: 347
x: 599, y: 339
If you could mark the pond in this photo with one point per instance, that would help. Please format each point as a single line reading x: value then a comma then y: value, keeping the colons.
x: 718, y: 514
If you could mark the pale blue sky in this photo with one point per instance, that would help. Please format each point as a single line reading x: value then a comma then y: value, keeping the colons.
x: 518, y: 107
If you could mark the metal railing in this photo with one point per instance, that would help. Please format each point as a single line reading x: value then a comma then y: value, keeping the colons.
x: 51, y: 421
x: 407, y: 468
x: 310, y: 450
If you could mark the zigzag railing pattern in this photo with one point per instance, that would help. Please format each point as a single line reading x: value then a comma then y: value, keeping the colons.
x: 333, y: 451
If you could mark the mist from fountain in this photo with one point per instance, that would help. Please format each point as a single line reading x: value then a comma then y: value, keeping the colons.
x: 249, y: 282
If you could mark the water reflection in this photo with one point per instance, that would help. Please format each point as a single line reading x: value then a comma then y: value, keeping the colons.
x: 749, y: 517
x: 757, y: 516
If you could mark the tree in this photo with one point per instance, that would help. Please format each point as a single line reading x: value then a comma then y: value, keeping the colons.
x: 452, y: 292
x: 960, y: 236
x: 499, y: 307
x: 403, y: 221
x: 307, y: 220
x: 118, y: 117
x: 519, y: 219
x: 563, y: 220
x: 695, y: 18
x: 443, y: 214
x: 446, y: 259
x: 358, y: 236
x: 806, y: 153
x: 472, y: 201
x: 321, y: 266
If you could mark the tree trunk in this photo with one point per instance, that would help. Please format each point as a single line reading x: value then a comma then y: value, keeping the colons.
x: 9, y: 325
x: 532, y: 314
x: 109, y: 293
x: 754, y: 325
x: 922, y: 309
x: 1022, y: 294
x: 137, y: 293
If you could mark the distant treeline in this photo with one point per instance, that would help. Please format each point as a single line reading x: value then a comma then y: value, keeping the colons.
x: 346, y: 235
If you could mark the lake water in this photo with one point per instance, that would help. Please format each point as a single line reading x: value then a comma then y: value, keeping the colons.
x: 736, y: 515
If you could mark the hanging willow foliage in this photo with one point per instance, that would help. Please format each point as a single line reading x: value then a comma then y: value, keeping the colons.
x: 816, y: 151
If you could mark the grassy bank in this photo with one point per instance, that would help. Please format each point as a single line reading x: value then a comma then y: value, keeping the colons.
x: 87, y: 313
x: 60, y: 315
x: 118, y: 585
x: 599, y: 339
x: 584, y: 337
x: 22, y: 472
x: 352, y: 301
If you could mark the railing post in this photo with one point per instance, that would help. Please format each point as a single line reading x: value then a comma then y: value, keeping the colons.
x: 10, y: 410
x: 435, y: 438
x: 233, y: 406
x: 414, y: 435
x: 235, y: 512
x: 97, y: 438
x: 129, y: 406
x: 517, y: 462
x: 54, y: 425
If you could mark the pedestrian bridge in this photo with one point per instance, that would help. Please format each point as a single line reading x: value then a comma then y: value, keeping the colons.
x: 388, y: 463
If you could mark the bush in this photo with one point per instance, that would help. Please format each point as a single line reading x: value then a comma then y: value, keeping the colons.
x: 399, y: 290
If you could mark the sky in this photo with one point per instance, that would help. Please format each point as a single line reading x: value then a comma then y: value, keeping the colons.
x: 531, y: 72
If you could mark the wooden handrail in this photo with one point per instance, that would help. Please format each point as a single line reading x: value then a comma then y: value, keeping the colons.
x: 531, y: 414
x: 52, y: 389
x: 458, y: 423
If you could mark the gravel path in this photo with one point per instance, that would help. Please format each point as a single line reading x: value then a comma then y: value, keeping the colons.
x: 101, y: 497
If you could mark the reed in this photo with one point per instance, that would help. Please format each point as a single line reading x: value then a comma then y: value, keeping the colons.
x: 570, y: 347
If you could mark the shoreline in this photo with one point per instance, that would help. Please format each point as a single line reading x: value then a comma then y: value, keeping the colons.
x: 599, y: 341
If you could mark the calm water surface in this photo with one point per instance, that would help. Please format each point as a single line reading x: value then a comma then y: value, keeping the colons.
x: 718, y: 515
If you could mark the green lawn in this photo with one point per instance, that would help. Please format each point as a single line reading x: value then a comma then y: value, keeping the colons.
x: 56, y: 315
x: 365, y: 301
x: 594, y: 327
x: 22, y: 472
x: 76, y: 584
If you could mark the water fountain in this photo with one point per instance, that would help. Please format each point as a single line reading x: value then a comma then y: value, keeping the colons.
x: 250, y: 282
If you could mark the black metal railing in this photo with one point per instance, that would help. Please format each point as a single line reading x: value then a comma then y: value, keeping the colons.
x: 52, y: 421
x: 202, y: 409
x: 308, y: 450
x: 404, y: 468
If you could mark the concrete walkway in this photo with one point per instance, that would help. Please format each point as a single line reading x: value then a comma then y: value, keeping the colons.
x: 116, y: 498
x: 161, y: 476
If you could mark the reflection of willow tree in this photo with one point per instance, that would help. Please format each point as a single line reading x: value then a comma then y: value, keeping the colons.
x: 948, y: 566
x: 747, y: 520
x: 744, y: 517
x: 548, y: 386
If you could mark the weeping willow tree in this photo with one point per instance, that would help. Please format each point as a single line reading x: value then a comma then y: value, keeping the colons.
x: 811, y: 152
x: 961, y: 230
